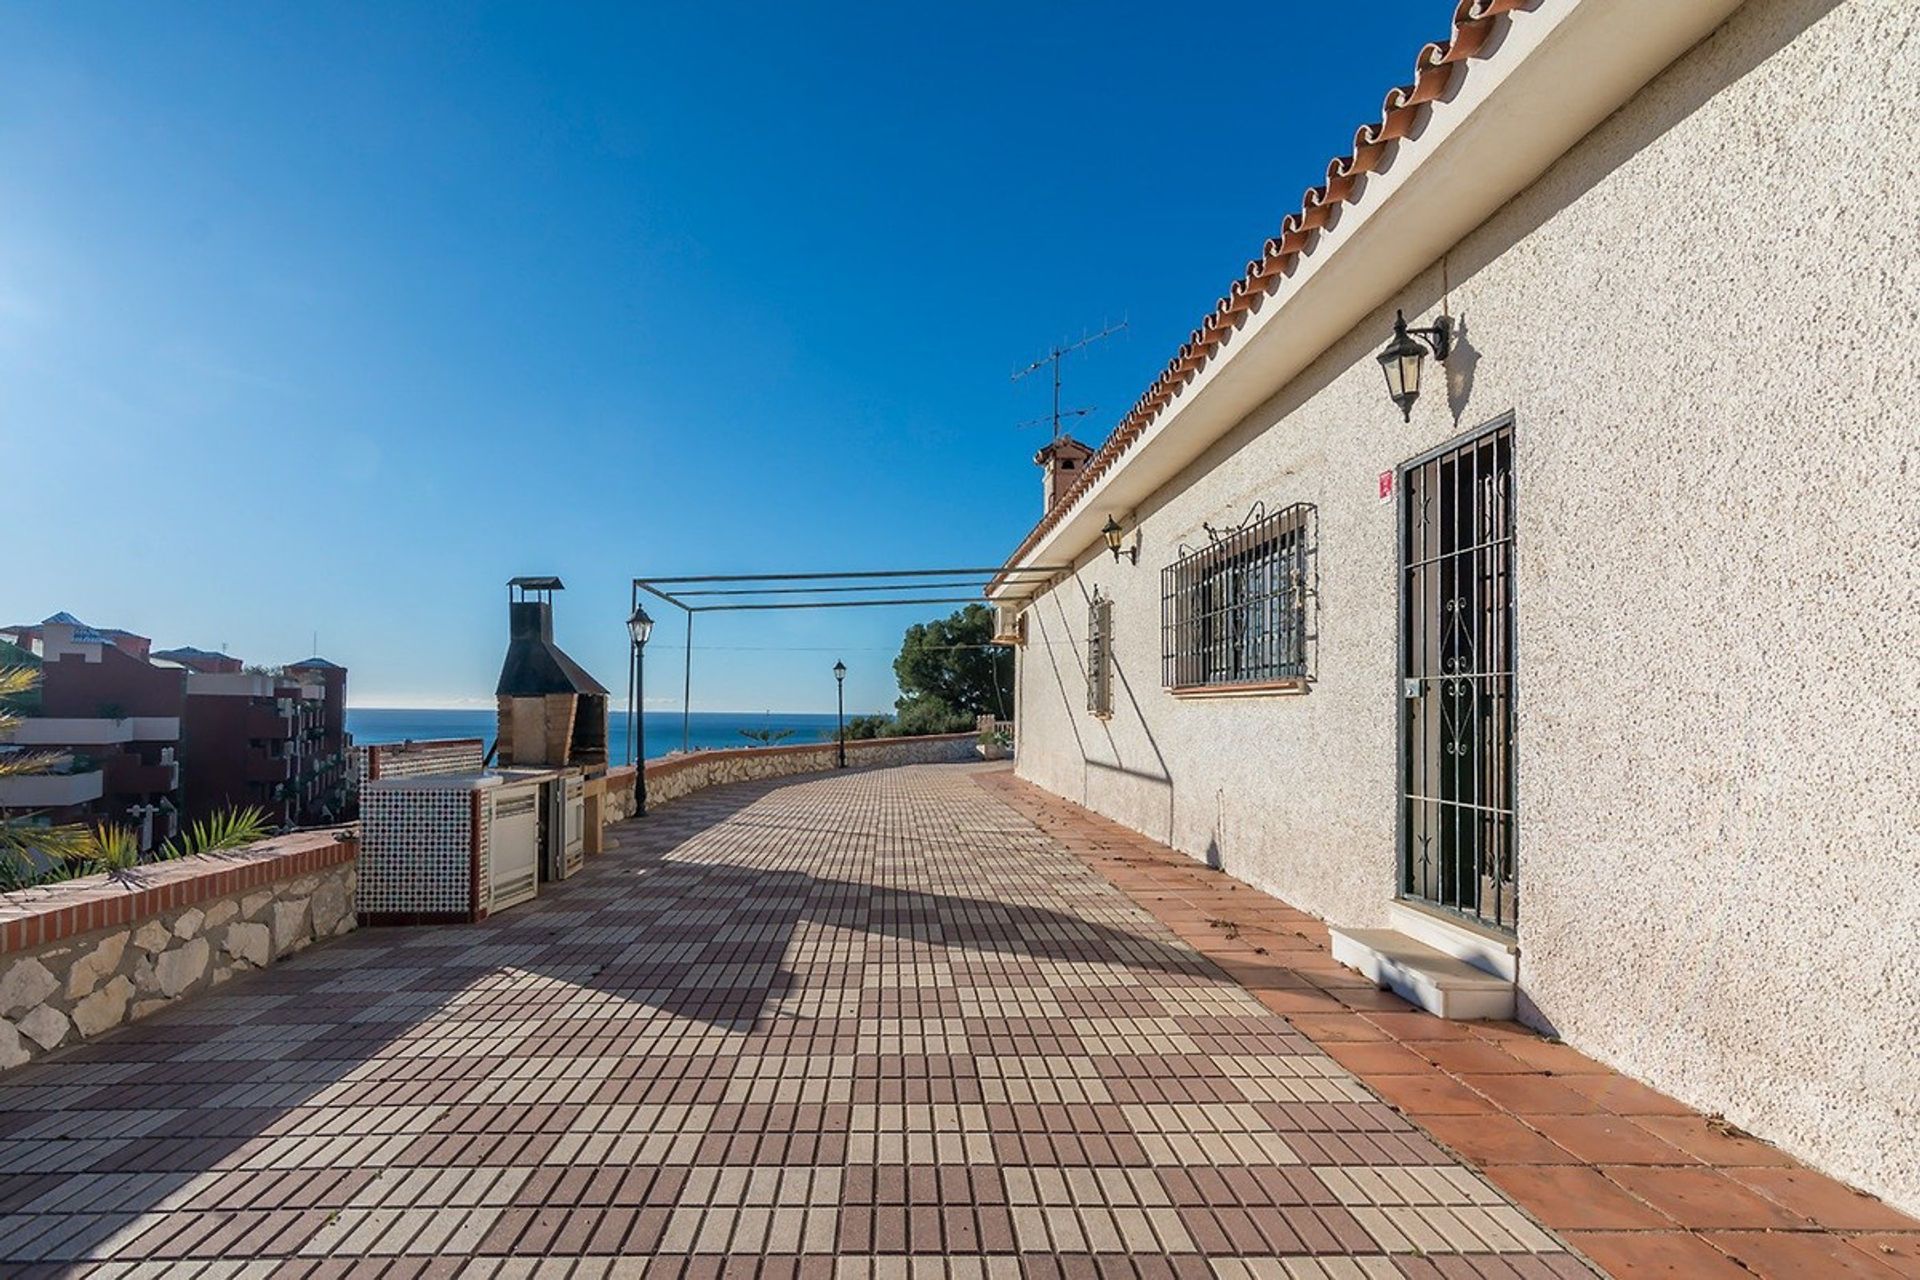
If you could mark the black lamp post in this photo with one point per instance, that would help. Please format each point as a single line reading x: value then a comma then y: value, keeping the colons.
x: 1401, y: 359
x: 1115, y: 536
x: 840, y: 684
x: 639, y: 627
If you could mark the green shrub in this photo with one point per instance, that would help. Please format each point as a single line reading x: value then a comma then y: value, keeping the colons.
x: 228, y: 829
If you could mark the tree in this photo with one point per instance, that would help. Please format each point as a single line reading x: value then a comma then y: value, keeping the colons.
x: 950, y: 672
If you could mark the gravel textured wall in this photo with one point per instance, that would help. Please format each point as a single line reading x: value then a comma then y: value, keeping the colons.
x: 1704, y: 320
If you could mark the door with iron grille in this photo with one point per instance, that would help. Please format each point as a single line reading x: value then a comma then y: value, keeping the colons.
x: 1456, y: 669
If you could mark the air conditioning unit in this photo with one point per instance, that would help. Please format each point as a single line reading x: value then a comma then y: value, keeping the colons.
x: 1009, y: 624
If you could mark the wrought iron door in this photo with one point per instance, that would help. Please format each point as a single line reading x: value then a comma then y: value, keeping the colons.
x: 1456, y: 667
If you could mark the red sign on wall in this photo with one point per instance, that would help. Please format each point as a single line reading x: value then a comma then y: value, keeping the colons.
x: 1386, y: 486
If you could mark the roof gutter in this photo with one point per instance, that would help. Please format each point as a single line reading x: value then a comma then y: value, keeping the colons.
x: 1544, y: 82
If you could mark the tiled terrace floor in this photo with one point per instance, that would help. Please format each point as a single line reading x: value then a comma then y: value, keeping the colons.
x: 876, y: 1023
x: 1638, y: 1182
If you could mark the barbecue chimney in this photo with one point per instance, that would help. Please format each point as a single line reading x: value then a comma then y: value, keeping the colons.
x: 551, y: 712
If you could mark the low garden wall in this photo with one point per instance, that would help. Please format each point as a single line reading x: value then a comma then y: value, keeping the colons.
x: 676, y: 776
x: 83, y: 956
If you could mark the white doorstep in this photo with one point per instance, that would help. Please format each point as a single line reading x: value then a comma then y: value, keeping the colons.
x: 1487, y: 949
x: 1445, y: 986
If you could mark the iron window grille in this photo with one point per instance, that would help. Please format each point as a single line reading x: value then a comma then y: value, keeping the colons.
x: 1100, y: 655
x: 1239, y: 613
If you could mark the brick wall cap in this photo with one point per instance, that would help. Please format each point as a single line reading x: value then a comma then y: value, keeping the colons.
x: 155, y: 887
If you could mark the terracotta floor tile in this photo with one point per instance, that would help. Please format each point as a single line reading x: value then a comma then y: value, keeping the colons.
x: 1373, y: 1000
x: 1609, y: 1140
x: 1291, y: 1002
x: 1495, y: 1140
x: 1703, y: 1198
x: 1463, y: 1056
x: 1657, y: 1255
x: 1626, y: 1097
x: 1612, y: 1127
x: 1574, y: 1196
x: 1530, y: 1095
x: 1700, y: 1137
x: 1816, y: 1196
x: 1795, y: 1255
x: 1550, y: 1055
x: 1429, y: 1093
x: 1325, y: 1027
x: 1419, y: 1026
x: 1900, y: 1251
x: 1498, y: 1029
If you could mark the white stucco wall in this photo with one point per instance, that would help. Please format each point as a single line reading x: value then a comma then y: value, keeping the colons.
x: 1704, y: 319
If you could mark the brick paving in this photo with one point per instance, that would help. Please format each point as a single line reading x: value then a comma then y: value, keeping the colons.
x: 873, y: 1024
x: 1639, y: 1183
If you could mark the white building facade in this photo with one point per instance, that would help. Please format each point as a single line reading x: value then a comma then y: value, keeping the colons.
x: 1602, y: 667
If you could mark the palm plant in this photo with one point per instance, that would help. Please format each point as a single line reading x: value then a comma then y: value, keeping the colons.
x: 228, y: 829
x: 29, y: 848
x: 112, y: 849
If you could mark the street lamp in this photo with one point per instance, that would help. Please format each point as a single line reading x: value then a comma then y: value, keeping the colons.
x: 840, y: 683
x: 1115, y: 536
x: 639, y: 627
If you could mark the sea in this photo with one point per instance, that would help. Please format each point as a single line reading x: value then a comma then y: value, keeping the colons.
x: 370, y: 725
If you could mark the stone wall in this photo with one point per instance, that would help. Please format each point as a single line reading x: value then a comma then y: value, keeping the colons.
x: 85, y: 956
x: 676, y: 776
x: 619, y: 791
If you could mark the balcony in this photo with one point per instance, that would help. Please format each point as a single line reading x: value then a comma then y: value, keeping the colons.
x: 51, y: 790
x: 75, y: 731
x: 128, y: 775
x: 268, y: 723
x: 156, y: 728
x: 269, y: 769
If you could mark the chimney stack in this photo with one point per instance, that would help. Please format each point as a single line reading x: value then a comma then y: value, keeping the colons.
x: 1060, y: 462
x: 551, y: 712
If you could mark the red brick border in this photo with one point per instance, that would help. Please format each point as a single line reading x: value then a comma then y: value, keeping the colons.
x: 35, y: 917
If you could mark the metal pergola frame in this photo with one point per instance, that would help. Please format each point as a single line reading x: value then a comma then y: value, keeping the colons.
x: 743, y: 592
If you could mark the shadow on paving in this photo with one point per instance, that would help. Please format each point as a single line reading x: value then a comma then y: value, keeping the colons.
x: 218, y: 1110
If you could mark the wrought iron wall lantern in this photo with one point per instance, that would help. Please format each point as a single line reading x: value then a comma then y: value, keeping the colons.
x: 1402, y: 358
x: 1115, y: 536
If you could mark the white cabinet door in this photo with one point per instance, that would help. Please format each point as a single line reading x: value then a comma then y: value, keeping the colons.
x: 513, y: 857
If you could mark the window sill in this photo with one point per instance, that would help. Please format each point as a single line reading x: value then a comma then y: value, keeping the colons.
x: 1266, y: 689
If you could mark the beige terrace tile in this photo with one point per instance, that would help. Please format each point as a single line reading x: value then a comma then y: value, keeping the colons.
x: 879, y: 1013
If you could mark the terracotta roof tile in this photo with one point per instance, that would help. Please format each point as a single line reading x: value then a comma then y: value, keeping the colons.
x: 1434, y: 71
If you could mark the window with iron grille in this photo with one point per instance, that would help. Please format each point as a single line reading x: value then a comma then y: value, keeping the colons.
x: 1100, y: 655
x: 1238, y: 613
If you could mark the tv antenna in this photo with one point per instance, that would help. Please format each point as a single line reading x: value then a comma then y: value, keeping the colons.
x: 1055, y: 356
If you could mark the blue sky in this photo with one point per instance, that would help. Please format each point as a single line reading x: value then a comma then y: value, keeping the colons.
x: 331, y: 318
